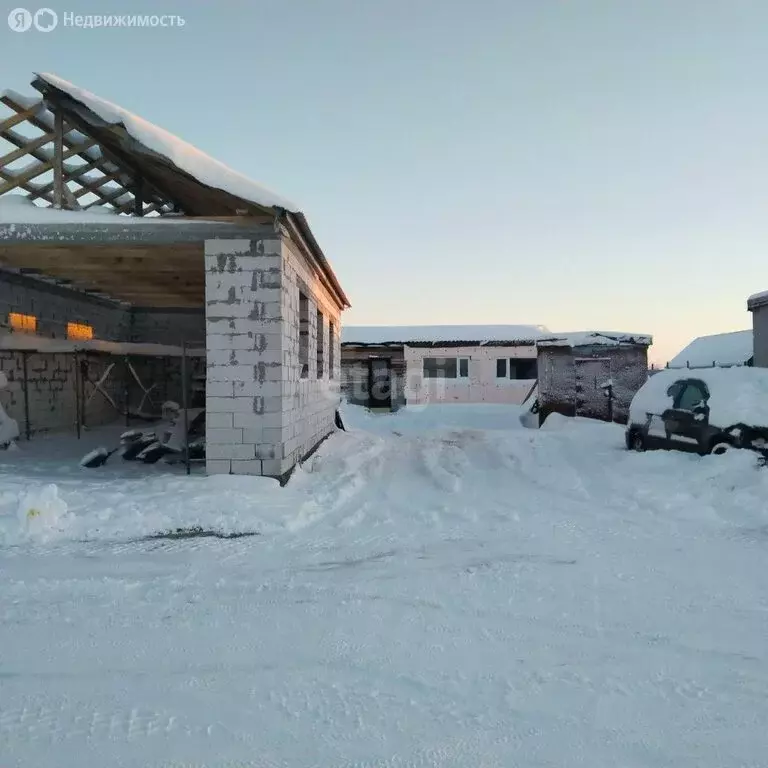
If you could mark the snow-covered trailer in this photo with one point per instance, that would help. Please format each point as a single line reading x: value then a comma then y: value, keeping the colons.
x: 593, y: 374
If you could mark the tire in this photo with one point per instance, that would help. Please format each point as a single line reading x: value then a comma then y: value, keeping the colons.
x: 637, y: 442
x: 718, y: 449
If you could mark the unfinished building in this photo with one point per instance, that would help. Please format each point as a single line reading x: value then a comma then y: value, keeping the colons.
x: 132, y: 262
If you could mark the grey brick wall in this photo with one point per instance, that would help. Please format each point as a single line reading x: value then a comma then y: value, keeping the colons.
x: 173, y: 326
x: 557, y: 386
x: 51, y: 385
x: 51, y: 377
x: 55, y: 306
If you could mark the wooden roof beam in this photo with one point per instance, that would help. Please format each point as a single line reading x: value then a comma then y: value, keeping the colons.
x: 23, y: 149
x: 22, y: 114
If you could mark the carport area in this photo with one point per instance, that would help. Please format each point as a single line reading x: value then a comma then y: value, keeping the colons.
x: 136, y: 269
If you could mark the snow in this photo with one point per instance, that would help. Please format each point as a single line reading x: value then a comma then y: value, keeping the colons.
x: 9, y: 428
x: 757, y: 297
x: 421, y: 594
x: 737, y: 395
x: 723, y: 348
x: 27, y: 102
x: 186, y: 157
x: 18, y: 209
x: 604, y: 338
x: 399, y: 334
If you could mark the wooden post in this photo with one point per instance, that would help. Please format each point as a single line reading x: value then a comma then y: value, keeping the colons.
x: 138, y: 197
x: 28, y: 429
x: 58, y: 160
x: 185, y: 403
x: 83, y: 377
x: 78, y: 404
x: 127, y: 391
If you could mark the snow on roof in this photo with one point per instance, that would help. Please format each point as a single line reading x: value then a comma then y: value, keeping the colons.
x: 185, y: 156
x: 403, y: 334
x: 756, y: 299
x: 18, y: 209
x: 737, y: 395
x: 723, y: 349
x: 584, y: 338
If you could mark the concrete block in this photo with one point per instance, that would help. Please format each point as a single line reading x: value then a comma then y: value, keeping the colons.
x: 230, y: 373
x: 253, y: 435
x: 267, y: 451
x: 230, y: 451
x: 273, y: 435
x: 219, y: 389
x: 231, y: 435
x: 247, y: 467
x: 273, y: 404
x: 269, y: 356
x: 254, y: 263
x: 248, y: 421
x: 264, y: 389
x: 227, y: 247
x: 217, y: 466
x: 274, y: 467
x: 218, y: 420
x: 219, y: 357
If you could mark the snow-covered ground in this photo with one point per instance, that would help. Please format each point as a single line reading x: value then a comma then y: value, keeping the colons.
x: 421, y: 594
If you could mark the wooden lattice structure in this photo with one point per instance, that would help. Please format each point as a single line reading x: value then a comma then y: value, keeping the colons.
x: 59, y: 152
x: 47, y: 144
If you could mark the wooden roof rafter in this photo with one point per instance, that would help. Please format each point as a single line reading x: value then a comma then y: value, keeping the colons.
x: 115, y: 189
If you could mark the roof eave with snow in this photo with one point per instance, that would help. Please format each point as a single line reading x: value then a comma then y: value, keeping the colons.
x: 757, y: 300
x: 595, y: 338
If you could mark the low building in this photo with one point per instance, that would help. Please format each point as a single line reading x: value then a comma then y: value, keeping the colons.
x: 139, y: 237
x: 757, y: 304
x: 721, y: 350
x: 390, y: 366
x: 593, y: 374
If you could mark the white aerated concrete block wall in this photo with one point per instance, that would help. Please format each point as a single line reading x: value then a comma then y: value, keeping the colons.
x: 309, y: 404
x: 244, y: 356
x: 262, y: 417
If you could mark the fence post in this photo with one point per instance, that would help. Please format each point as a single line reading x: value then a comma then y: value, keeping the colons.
x: 76, y: 360
x: 185, y: 403
x: 28, y: 429
x: 127, y: 391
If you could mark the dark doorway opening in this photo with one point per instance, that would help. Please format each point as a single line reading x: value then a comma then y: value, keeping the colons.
x: 379, y: 383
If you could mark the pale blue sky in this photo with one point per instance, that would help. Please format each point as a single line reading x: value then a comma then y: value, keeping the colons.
x: 577, y: 163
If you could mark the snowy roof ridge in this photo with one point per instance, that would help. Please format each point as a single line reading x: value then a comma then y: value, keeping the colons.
x: 182, y: 154
x: 403, y: 334
x: 604, y: 338
x: 723, y: 349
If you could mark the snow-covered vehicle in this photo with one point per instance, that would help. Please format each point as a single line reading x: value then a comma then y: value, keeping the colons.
x: 706, y: 410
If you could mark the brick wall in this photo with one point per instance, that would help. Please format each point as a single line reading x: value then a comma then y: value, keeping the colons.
x: 55, y: 306
x: 309, y: 404
x: 51, y: 377
x: 52, y: 391
x: 262, y: 416
x: 557, y: 385
x: 173, y: 326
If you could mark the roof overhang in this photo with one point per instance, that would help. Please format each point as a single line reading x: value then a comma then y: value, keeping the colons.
x: 148, y: 181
